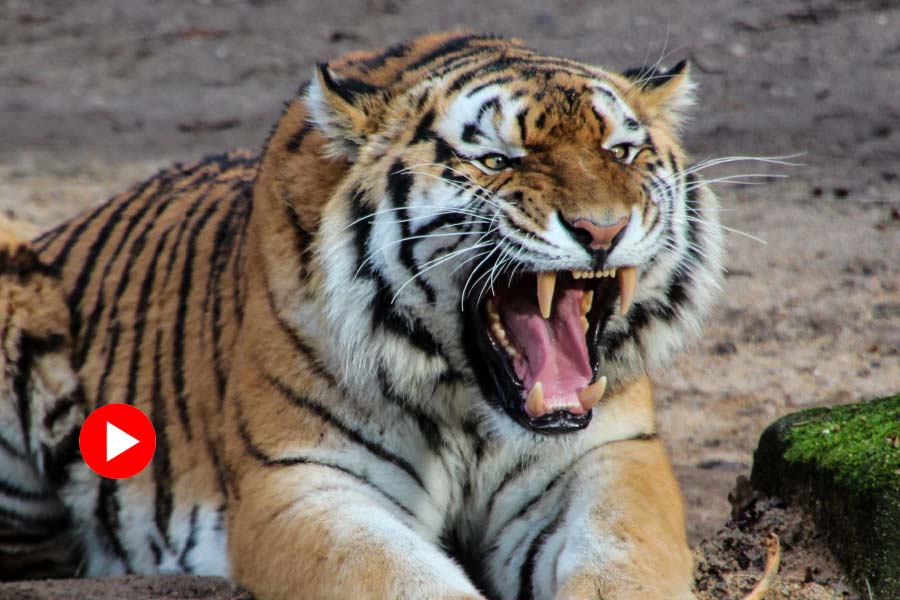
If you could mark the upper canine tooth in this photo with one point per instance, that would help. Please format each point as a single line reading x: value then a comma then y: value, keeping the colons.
x: 535, y: 402
x: 546, y: 284
x: 612, y: 272
x: 592, y: 394
x: 627, y: 283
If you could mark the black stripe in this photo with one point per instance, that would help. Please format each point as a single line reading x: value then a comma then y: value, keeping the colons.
x: 289, y: 461
x: 294, y: 142
x: 62, y: 406
x: 7, y: 447
x: 443, y: 220
x: 302, y: 240
x: 162, y: 466
x: 237, y: 268
x: 395, y: 51
x: 191, y: 540
x: 427, y: 426
x: 90, y: 261
x: 495, y: 81
x: 178, y: 359
x: 87, y: 338
x: 444, y: 50
x: 521, y: 119
x: 59, y: 260
x: 60, y: 457
x: 362, y: 218
x: 443, y: 151
x: 156, y: 550
x: 349, y: 432
x: 140, y: 317
x: 386, y: 317
x: 22, y: 262
x: 470, y: 130
x: 219, y: 255
x: 399, y: 187
x: 42, y: 241
x: 107, y: 515
x: 493, y: 103
x: 423, y: 130
x: 301, y: 347
x: 30, y: 349
x: 14, y: 491
x: 49, y: 525
x: 526, y: 574
x: 186, y: 220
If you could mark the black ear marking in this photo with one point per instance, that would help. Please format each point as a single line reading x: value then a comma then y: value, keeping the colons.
x: 348, y: 89
x: 650, y: 77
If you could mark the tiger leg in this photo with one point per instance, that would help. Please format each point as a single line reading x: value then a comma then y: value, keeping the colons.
x: 309, y: 531
x: 619, y: 534
x: 40, y: 413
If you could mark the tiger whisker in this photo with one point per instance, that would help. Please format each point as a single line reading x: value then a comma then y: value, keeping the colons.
x: 437, y: 263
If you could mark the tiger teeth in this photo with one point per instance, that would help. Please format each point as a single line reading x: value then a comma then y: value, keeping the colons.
x: 593, y: 274
x: 492, y: 312
x: 587, y: 301
x: 592, y: 394
x: 627, y: 283
x: 498, y: 330
x: 535, y: 401
x: 546, y: 285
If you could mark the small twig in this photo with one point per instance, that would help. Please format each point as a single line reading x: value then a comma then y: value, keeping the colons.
x: 773, y: 561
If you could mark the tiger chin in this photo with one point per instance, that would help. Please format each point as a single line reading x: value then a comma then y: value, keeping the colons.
x: 402, y: 353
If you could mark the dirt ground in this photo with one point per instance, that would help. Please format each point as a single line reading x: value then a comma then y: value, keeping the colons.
x: 97, y: 94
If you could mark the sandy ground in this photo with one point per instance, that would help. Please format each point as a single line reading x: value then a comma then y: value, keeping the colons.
x: 97, y: 94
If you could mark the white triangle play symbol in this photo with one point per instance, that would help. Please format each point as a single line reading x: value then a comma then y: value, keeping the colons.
x: 117, y: 441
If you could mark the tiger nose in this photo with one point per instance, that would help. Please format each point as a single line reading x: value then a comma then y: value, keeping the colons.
x: 595, y: 236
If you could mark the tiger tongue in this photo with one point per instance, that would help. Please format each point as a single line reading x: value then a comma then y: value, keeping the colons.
x: 553, y: 350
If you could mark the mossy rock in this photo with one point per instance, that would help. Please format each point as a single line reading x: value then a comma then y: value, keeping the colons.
x: 843, y: 464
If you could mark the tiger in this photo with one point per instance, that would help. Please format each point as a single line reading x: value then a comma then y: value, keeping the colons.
x: 403, y: 352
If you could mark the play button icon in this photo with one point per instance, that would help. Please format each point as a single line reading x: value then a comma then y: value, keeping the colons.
x: 117, y: 441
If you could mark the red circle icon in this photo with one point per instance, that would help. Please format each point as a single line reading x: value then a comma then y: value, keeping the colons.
x: 117, y: 441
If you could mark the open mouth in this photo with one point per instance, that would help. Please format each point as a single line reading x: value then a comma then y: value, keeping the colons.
x: 534, y: 343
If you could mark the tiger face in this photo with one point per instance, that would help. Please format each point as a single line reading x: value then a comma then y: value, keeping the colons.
x: 533, y: 215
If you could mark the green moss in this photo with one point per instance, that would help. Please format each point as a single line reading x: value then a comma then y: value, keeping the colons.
x: 855, y: 443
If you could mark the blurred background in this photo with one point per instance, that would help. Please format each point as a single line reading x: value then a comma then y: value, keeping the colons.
x: 97, y: 94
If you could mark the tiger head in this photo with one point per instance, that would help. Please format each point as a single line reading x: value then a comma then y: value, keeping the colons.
x: 518, y: 220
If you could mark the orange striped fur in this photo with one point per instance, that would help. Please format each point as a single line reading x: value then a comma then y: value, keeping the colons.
x: 323, y: 428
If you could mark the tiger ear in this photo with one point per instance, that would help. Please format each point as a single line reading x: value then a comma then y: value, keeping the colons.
x: 665, y: 94
x: 341, y: 109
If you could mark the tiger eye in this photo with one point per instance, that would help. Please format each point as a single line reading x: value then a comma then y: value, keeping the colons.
x: 495, y: 162
x: 620, y: 151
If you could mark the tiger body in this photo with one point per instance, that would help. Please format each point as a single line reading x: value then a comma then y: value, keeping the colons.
x: 303, y: 329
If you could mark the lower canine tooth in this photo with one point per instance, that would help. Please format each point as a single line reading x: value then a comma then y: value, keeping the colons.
x: 535, y: 402
x: 627, y: 282
x: 585, y: 323
x: 492, y: 311
x: 546, y: 284
x: 587, y: 301
x: 592, y: 394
